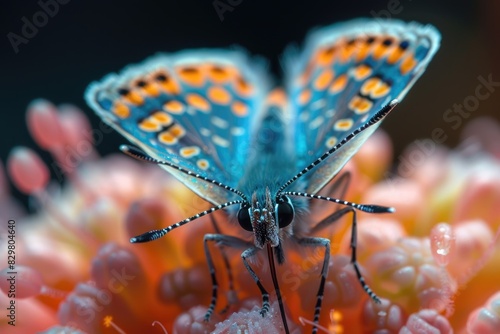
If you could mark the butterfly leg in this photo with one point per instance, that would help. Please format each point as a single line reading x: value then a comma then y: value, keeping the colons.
x: 249, y: 252
x: 321, y: 242
x: 232, y: 297
x: 221, y: 240
x: 339, y: 187
x: 331, y: 219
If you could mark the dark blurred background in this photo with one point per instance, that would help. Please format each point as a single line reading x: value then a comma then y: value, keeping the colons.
x: 88, y: 39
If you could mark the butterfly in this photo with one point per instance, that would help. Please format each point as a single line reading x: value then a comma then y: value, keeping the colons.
x: 212, y: 120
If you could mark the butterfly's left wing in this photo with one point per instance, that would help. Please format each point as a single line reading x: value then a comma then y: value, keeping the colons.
x: 193, y: 109
x: 347, y: 73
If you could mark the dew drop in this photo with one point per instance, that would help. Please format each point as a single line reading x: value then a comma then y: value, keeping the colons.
x: 442, y: 243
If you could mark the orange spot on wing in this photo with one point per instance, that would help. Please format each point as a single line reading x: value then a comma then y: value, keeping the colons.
x: 189, y: 152
x: 146, y: 86
x: 174, y: 107
x: 172, y: 135
x: 408, y: 64
x: 325, y: 56
x: 134, y: 97
x: 171, y: 87
x: 331, y: 142
x: 166, y: 138
x: 177, y: 131
x: 166, y: 82
x: 219, y: 95
x: 362, y: 71
x: 324, y: 79
x: 221, y: 74
x: 242, y: 87
x: 370, y: 85
x: 162, y: 118
x: 198, y: 102
x: 379, y: 51
x: 346, y: 52
x: 191, y: 75
x: 338, y: 84
x: 382, y: 90
x: 395, y: 55
x: 149, y: 125
x: 360, y: 105
x: 239, y: 109
x: 121, y: 110
x: 304, y: 97
x: 343, y: 124
x: 375, y: 88
x: 363, y: 50
x: 151, y: 89
x: 202, y: 163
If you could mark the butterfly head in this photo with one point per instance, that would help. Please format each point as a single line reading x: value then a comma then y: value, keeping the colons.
x: 265, y: 216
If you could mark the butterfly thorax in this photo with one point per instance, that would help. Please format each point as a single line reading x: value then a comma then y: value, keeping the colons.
x: 271, y: 163
x: 271, y: 160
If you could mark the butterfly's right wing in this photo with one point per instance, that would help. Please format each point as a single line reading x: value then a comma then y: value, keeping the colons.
x: 346, y: 74
x: 193, y: 109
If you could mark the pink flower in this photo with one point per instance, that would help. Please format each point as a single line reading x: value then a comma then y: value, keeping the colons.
x: 432, y: 262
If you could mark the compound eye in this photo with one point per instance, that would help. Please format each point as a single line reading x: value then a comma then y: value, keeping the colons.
x: 244, y: 218
x: 285, y: 212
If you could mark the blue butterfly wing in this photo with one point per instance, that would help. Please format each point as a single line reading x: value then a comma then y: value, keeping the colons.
x: 347, y: 73
x: 194, y: 109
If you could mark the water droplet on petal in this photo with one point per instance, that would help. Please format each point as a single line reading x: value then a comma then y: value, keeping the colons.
x: 442, y: 243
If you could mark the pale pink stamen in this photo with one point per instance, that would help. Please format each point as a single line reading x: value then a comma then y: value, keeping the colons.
x: 473, y: 237
x: 427, y: 322
x: 156, y: 322
x: 385, y: 317
x: 26, y: 282
x: 43, y: 124
x: 78, y: 132
x: 303, y: 321
x: 187, y: 288
x: 27, y: 170
x: 108, y: 322
x: 486, y: 320
x: 118, y: 329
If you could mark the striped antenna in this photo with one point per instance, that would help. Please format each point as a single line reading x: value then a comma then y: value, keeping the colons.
x: 373, y: 120
x: 370, y: 208
x: 137, y: 154
x: 156, y: 234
